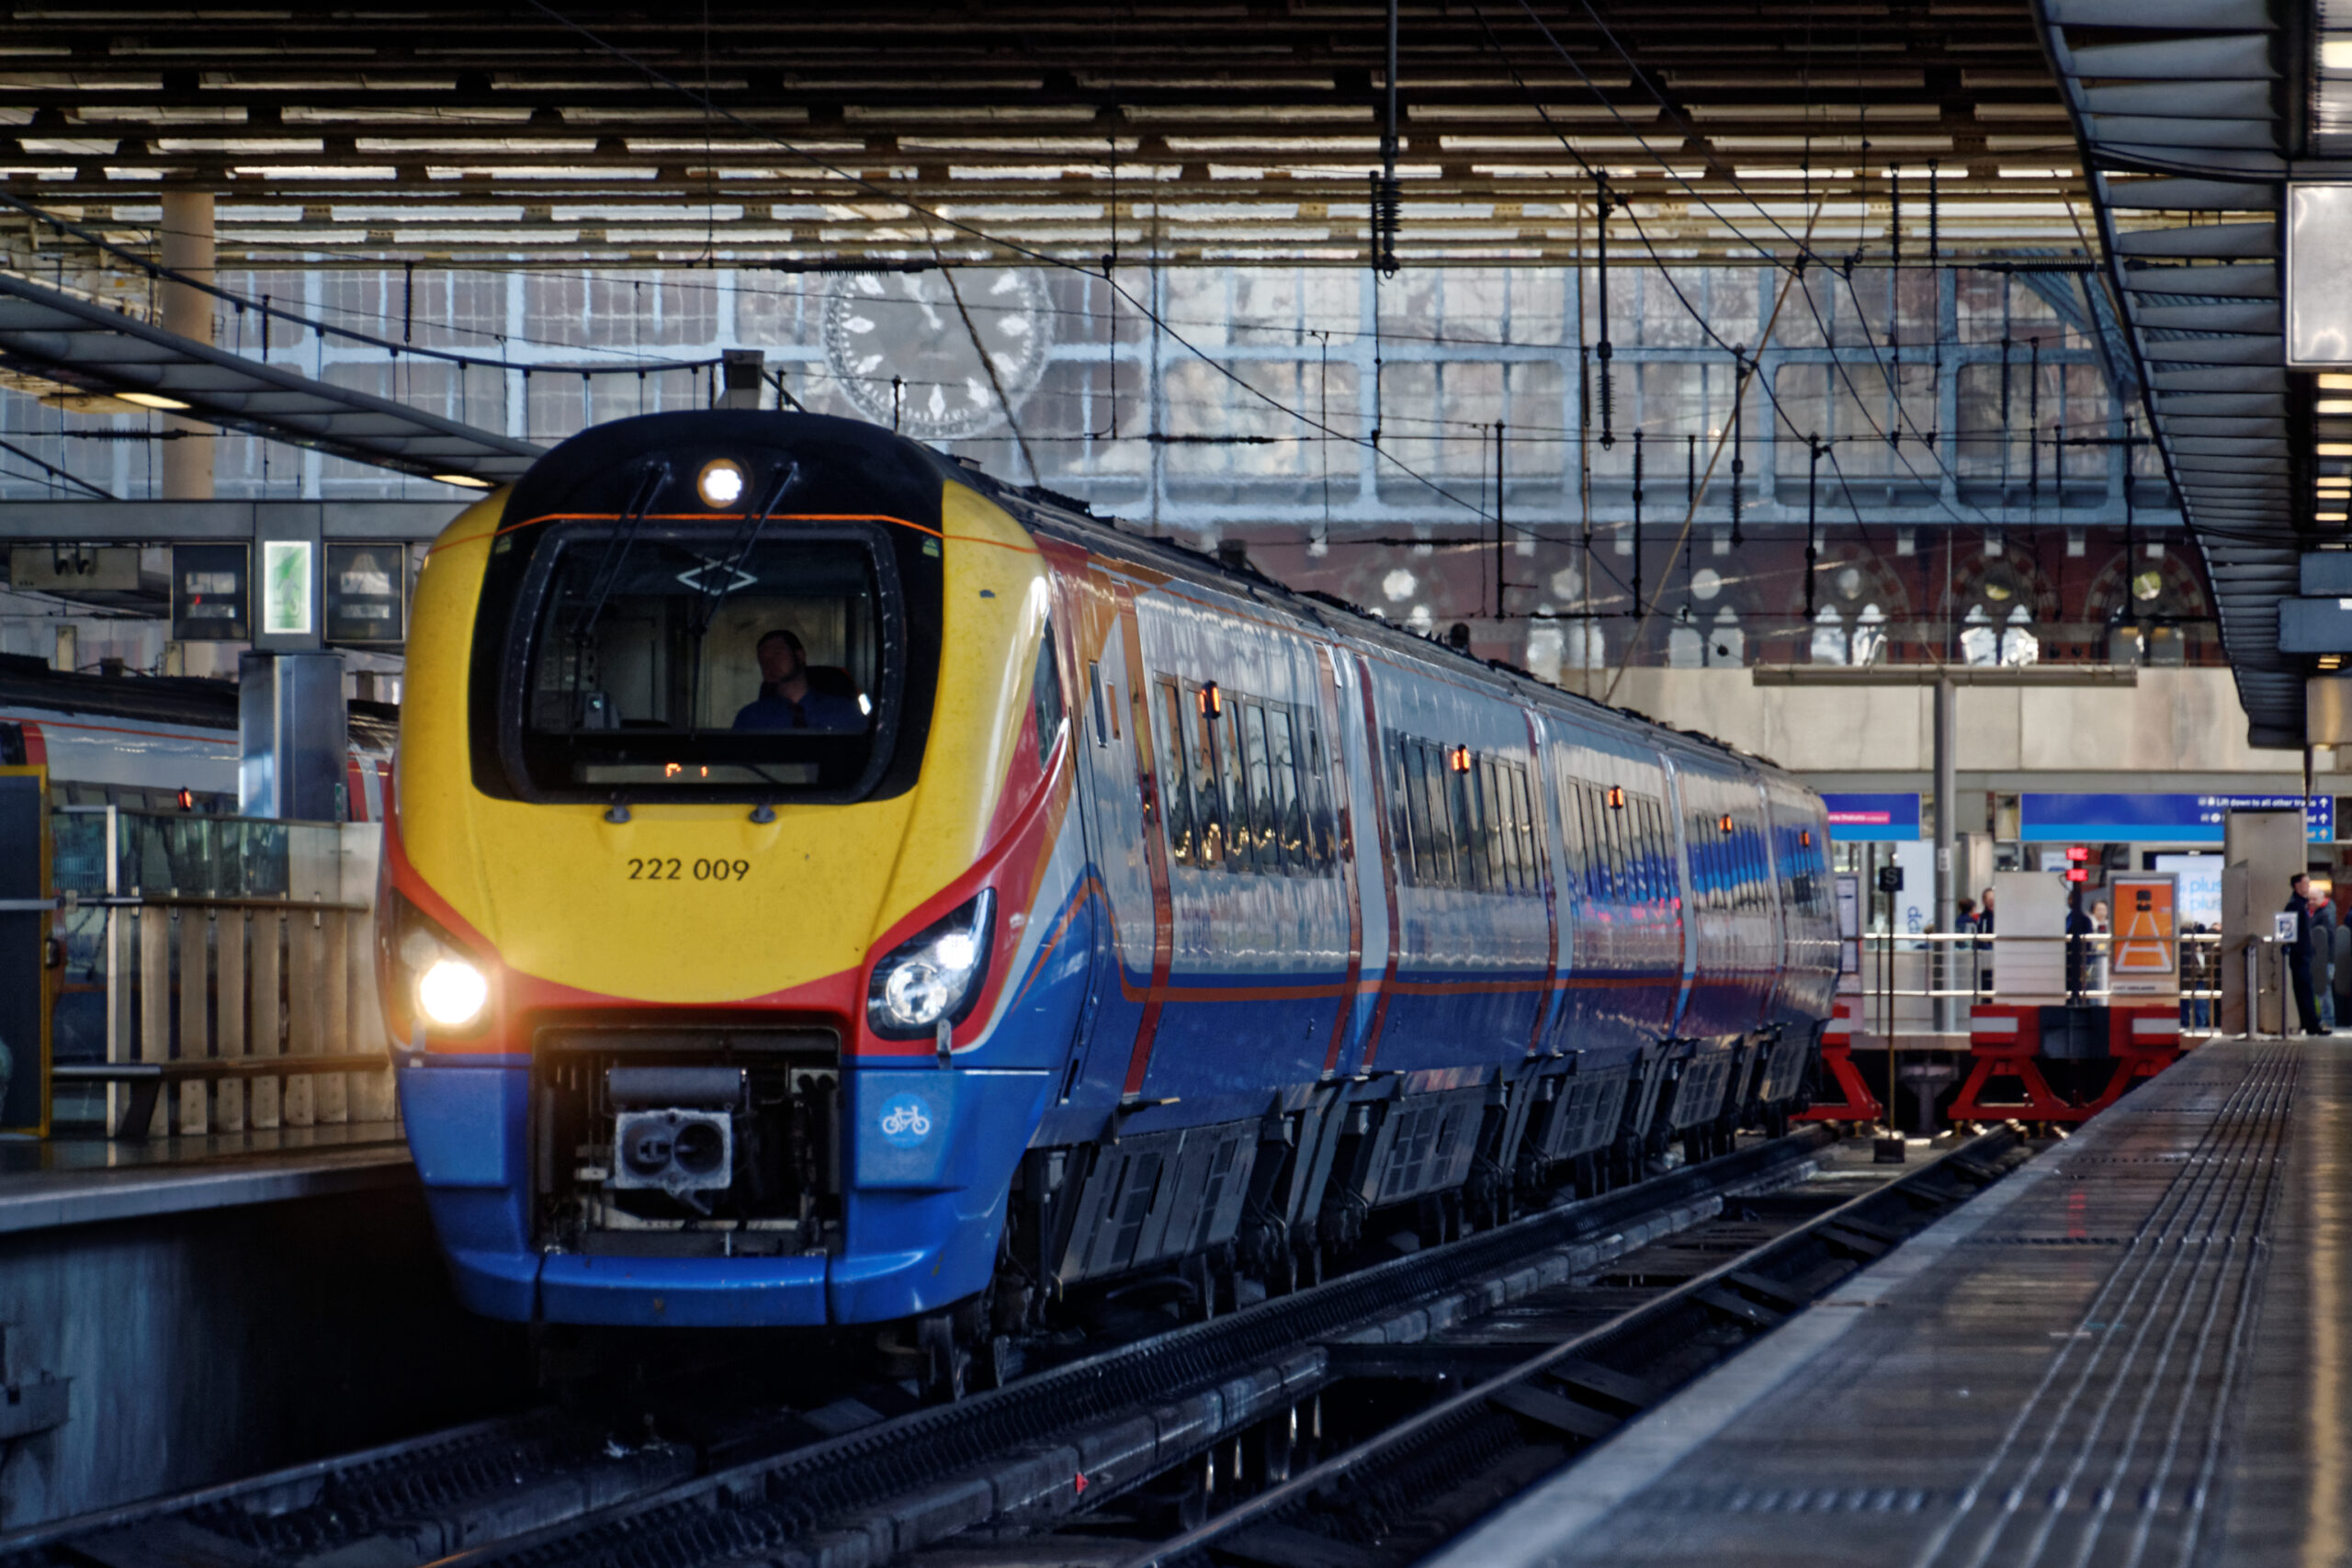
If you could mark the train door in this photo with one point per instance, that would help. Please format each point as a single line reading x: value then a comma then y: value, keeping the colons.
x: 1369, y: 819
x: 1132, y: 944
x: 1128, y: 702
x: 1347, y: 769
x: 1680, y: 808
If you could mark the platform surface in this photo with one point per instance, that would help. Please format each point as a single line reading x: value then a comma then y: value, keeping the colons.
x: 46, y: 1183
x: 2135, y: 1350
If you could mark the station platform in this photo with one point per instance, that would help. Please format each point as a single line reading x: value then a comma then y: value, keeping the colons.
x: 47, y: 1183
x: 2137, y: 1350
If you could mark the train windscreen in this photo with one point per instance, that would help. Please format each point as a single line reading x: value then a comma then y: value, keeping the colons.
x: 687, y: 663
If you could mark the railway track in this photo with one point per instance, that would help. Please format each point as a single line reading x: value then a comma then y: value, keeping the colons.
x: 1114, y: 1442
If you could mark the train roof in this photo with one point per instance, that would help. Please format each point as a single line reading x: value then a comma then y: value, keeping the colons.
x: 891, y: 468
x: 1066, y: 515
x: 194, y: 701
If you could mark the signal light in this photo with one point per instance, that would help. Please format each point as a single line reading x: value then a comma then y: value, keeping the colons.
x: 186, y: 798
x: 2077, y: 852
x: 1458, y: 759
x: 1212, y: 700
x: 1804, y: 838
x: 2078, y: 875
x: 1726, y: 823
x: 1616, y: 797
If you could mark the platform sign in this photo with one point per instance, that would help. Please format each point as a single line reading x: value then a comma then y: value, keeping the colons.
x: 2144, y: 955
x: 2158, y: 819
x: 366, y: 592
x: 1873, y: 818
x: 2197, y: 882
x: 208, y: 593
x: 287, y: 571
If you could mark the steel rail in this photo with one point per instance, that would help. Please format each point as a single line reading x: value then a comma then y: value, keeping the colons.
x: 433, y: 1484
x: 1305, y: 1484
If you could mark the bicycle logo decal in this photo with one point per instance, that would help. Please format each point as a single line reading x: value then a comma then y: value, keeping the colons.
x: 906, y: 1120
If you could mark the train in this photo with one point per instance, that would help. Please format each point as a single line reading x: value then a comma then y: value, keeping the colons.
x: 159, y: 743
x: 825, y: 886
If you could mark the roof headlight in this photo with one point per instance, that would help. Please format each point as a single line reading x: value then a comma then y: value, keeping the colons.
x: 721, y: 483
x: 934, y: 975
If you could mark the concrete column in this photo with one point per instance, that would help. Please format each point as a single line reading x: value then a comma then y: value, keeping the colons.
x: 1947, y: 727
x: 189, y: 250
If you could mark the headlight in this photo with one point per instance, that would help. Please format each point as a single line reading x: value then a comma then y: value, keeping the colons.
x: 936, y: 973
x: 721, y: 484
x: 427, y: 975
x: 452, y: 993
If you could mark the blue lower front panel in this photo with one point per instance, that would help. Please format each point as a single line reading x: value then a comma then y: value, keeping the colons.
x: 929, y: 1155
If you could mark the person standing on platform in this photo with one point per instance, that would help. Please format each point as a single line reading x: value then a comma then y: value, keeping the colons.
x: 2299, y: 959
x: 2323, y: 958
x: 1985, y: 928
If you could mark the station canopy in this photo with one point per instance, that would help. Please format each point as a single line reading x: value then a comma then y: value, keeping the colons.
x: 823, y: 134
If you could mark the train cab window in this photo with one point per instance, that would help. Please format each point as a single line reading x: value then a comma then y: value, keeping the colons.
x: 1046, y: 697
x: 1175, y: 777
x: 696, y: 663
x: 1095, y: 694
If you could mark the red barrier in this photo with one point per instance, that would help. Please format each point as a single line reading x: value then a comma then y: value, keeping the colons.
x: 2003, y: 1042
x: 2144, y: 1040
x: 1858, y: 1104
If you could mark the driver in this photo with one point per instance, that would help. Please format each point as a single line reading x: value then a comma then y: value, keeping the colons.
x: 786, y: 701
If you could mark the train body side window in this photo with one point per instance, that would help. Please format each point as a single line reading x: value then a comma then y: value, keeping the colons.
x: 1240, y: 844
x: 1653, y: 816
x: 1503, y: 872
x: 1509, y: 782
x: 1522, y: 807
x: 1321, y: 829
x: 1290, y: 816
x: 1265, y: 853
x: 1209, y: 793
x: 1595, y: 846
x: 1469, y: 832
x: 1428, y: 775
x: 1175, y: 781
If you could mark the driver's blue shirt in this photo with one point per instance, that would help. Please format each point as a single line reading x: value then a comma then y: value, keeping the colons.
x: 815, y: 710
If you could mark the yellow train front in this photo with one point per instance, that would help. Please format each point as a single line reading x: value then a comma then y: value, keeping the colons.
x: 720, y: 804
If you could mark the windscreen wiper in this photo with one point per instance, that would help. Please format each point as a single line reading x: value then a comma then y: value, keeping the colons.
x: 615, y: 560
x: 712, y: 599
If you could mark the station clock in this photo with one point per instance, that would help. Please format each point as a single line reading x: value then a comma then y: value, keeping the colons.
x: 909, y: 326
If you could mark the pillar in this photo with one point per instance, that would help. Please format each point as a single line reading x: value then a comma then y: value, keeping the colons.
x: 1946, y: 736
x: 189, y: 250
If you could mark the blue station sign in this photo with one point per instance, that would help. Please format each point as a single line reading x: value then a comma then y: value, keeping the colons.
x: 2157, y: 818
x: 1873, y: 818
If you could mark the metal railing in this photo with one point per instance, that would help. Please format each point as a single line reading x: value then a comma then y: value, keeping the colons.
x: 1898, y: 978
x: 254, y: 1002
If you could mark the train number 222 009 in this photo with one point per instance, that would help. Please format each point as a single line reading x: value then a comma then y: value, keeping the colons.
x: 672, y: 869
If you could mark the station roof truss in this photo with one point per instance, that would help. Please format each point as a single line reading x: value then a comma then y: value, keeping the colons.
x: 1217, y: 132
x: 56, y: 344
x: 2187, y: 114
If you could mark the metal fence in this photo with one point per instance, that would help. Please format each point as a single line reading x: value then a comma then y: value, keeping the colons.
x: 1900, y: 978
x: 219, y: 975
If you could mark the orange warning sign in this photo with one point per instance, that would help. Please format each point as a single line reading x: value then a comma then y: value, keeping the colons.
x: 2146, y: 945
